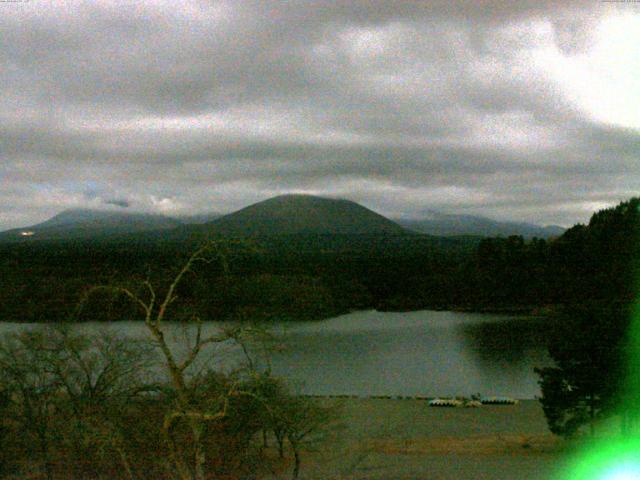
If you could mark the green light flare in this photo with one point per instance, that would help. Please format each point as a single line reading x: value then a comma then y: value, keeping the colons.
x: 608, y: 460
x: 632, y: 387
x: 616, y: 458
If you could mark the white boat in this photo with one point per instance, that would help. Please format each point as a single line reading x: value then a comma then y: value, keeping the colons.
x: 445, y: 402
x: 499, y: 401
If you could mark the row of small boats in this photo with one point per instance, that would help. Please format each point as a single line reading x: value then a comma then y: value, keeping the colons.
x: 456, y: 402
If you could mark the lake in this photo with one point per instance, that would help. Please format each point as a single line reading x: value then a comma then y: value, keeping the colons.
x: 389, y: 353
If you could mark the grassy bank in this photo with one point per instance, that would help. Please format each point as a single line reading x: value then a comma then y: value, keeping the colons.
x: 407, y: 439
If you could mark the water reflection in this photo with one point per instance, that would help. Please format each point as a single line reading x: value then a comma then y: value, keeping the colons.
x: 512, y: 340
x: 375, y: 353
x: 415, y: 353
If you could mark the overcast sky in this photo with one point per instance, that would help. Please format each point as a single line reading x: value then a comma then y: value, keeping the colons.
x: 525, y: 111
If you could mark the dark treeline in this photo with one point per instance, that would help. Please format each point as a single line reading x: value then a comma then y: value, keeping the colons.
x: 593, y: 263
x: 285, y: 277
x: 316, y: 276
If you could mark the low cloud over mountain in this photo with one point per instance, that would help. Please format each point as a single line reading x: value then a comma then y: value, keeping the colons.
x: 523, y: 111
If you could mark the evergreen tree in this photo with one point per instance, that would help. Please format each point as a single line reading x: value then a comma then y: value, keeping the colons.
x: 588, y: 347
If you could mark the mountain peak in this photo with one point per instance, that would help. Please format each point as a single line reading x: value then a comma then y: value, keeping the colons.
x: 303, y: 213
x: 85, y: 215
x: 87, y: 223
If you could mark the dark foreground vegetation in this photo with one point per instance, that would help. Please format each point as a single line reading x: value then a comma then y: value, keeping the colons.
x: 73, y: 406
x: 594, y: 338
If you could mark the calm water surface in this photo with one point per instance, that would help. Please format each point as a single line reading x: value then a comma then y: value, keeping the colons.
x: 380, y: 353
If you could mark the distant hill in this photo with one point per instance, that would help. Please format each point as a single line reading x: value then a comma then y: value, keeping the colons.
x: 199, y: 218
x: 282, y: 215
x: 82, y: 223
x: 440, y: 224
x: 308, y: 214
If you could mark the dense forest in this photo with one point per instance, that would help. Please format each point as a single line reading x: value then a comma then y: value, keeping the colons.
x: 313, y: 276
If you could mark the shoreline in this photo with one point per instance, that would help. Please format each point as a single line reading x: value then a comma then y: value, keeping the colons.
x: 380, y: 439
x: 529, y: 311
x: 423, y: 398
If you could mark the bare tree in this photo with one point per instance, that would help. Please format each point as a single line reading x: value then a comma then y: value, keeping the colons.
x: 32, y: 389
x: 155, y: 306
x: 5, y: 401
x: 100, y: 377
x: 69, y: 390
x: 302, y: 420
x: 245, y: 402
x: 298, y: 420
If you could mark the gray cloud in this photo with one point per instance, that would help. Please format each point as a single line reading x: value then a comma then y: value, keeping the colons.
x: 118, y: 202
x: 402, y: 105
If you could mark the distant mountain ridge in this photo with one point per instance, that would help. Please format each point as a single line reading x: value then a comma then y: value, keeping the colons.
x: 296, y: 213
x: 281, y: 215
x: 85, y: 223
x: 446, y: 225
x: 107, y: 218
x: 199, y: 218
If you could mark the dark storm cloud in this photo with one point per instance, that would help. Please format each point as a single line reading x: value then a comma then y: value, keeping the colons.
x: 209, y: 105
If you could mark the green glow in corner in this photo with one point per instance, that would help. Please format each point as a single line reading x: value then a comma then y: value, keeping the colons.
x: 616, y: 458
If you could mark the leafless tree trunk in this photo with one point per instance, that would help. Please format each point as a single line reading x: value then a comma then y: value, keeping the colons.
x: 155, y: 311
x: 296, y: 460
